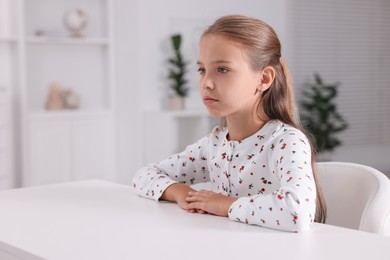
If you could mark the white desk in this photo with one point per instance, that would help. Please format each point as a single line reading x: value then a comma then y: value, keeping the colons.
x: 94, y: 220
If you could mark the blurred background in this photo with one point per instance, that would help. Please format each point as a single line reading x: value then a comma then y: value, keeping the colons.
x: 84, y: 88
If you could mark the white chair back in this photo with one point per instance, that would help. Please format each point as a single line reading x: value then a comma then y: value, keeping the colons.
x: 357, y: 196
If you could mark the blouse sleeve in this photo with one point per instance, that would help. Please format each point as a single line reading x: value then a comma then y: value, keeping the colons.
x: 188, y: 167
x: 292, y: 206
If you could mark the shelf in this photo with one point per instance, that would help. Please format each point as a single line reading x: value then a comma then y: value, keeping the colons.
x: 179, y: 128
x: 181, y: 113
x: 8, y: 40
x: 67, y: 41
x: 68, y: 114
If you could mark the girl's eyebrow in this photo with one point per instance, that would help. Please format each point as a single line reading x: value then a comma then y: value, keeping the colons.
x: 217, y: 62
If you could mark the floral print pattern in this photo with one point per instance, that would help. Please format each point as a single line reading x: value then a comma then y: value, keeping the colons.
x: 270, y: 172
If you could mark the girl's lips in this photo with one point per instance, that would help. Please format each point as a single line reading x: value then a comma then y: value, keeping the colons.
x: 209, y: 100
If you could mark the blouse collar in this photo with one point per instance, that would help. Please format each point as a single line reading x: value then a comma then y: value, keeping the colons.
x: 268, y: 129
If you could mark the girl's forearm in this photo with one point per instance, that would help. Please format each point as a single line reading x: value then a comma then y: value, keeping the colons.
x: 176, y: 192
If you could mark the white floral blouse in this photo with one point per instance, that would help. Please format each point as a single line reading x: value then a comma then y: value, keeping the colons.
x: 270, y: 172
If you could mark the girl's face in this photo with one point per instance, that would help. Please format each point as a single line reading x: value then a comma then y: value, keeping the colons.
x: 227, y: 82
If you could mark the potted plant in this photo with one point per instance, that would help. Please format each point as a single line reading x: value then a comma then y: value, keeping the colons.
x: 177, y: 74
x: 319, y: 114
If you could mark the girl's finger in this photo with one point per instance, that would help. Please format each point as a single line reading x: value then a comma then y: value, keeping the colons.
x: 192, y: 193
x: 195, y: 197
x: 194, y: 206
x: 189, y: 198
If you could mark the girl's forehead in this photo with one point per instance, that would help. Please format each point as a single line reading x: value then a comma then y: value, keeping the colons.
x: 220, y: 39
x: 216, y: 47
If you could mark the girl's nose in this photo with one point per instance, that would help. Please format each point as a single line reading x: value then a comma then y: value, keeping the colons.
x: 206, y: 82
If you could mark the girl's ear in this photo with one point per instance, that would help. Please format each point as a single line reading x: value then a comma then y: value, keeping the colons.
x: 267, y: 76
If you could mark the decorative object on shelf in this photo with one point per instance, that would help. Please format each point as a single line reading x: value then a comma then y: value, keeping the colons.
x: 76, y: 21
x: 177, y: 74
x: 71, y: 99
x: 54, y: 98
x: 50, y: 33
x: 59, y: 99
x: 319, y: 114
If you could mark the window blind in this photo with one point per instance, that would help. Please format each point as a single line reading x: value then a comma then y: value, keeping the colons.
x: 347, y: 42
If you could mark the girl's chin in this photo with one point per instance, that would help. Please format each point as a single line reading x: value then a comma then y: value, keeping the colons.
x: 215, y: 113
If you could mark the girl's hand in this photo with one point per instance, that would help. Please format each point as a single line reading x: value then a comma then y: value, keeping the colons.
x: 206, y: 201
x: 178, y: 193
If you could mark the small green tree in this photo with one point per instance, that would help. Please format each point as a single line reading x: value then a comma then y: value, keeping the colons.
x: 319, y: 113
x: 177, y: 71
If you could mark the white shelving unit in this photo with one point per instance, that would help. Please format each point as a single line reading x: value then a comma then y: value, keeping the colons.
x: 7, y: 40
x: 8, y: 49
x: 6, y: 149
x: 6, y: 126
x: 65, y: 41
x: 184, y: 127
x: 65, y: 145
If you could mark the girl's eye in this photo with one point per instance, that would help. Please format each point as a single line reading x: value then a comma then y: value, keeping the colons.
x: 222, y: 70
x: 201, y: 70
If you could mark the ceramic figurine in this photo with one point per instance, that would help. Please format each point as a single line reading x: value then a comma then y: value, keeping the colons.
x: 54, y: 99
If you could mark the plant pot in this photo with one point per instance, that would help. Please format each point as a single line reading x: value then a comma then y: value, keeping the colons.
x: 176, y: 103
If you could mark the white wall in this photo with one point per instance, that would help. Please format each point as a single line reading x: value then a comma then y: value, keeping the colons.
x: 129, y: 141
x: 347, y: 42
x: 143, y: 47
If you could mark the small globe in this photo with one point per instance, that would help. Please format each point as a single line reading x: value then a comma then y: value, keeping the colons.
x: 75, y: 21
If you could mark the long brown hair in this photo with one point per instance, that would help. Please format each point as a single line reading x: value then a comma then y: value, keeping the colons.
x: 263, y: 49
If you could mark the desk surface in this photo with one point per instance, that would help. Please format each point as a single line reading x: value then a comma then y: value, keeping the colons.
x: 101, y: 220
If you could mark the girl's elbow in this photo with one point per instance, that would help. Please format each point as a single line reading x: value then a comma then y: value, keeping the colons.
x: 302, y: 227
x: 301, y: 222
x: 298, y: 227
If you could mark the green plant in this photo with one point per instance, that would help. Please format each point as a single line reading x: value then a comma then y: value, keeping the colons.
x: 177, y: 71
x: 319, y: 113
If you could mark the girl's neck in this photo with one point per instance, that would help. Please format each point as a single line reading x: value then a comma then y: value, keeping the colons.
x: 243, y: 126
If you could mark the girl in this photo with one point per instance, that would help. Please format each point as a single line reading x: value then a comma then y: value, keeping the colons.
x: 260, y: 165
